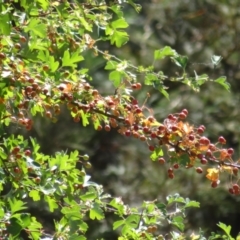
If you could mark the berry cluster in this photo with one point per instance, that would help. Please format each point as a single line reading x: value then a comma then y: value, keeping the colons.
x: 120, y: 111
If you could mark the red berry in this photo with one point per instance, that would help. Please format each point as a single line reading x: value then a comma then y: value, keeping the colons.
x: 185, y: 111
x: 161, y: 160
x: 200, y: 156
x: 200, y: 130
x: 138, y: 110
x: 161, y: 128
x: 236, y: 187
x: 174, y: 128
x: 170, y: 117
x: 143, y: 138
x: 222, y: 140
x: 170, y: 170
x: 204, y: 141
x: 16, y: 170
x: 134, y: 101
x: 27, y: 152
x: 37, y: 179
x: 176, y: 165
x: 134, y: 86
x: 209, y: 153
x: 138, y: 86
x: 146, y: 129
x: 151, y: 148
x: 153, y: 135
x: 48, y: 114
x: 135, y: 127
x: 128, y: 133
x: 204, y: 161
x: 107, y: 128
x: 212, y: 147
x: 127, y: 121
x: 199, y: 170
x: 16, y: 150
x: 182, y: 115
x: 230, y: 151
x: 191, y: 137
x: 214, y: 184
x: 151, y: 119
x: 171, y: 175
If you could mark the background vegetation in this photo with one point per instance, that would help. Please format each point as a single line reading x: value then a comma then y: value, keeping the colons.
x: 197, y: 29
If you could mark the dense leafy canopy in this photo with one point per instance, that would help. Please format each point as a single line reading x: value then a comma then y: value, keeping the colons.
x: 48, y: 51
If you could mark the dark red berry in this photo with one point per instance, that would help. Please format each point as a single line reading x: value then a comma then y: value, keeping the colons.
x: 199, y: 170
x: 151, y: 148
x: 230, y: 151
x: 191, y: 137
x: 176, y: 166
x: 185, y: 111
x: 153, y: 135
x: 214, y: 184
x: 128, y: 133
x: 182, y: 115
x: 171, y: 175
x: 204, y: 161
x: 222, y: 140
x: 107, y: 128
x: 161, y: 160
x: 27, y: 152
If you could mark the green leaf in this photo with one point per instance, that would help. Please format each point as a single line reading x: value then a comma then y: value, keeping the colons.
x: 96, y: 212
x: 151, y: 79
x: 88, y: 196
x: 164, y: 52
x: 178, y: 222
x: 111, y: 65
x: 158, y: 152
x: 70, y: 60
x: 77, y: 237
x: 226, y: 229
x: 36, y: 27
x: 16, y: 205
x: 51, y: 203
x: 223, y: 81
x: 162, y: 207
x: 25, y: 219
x: 118, y: 223
x: 118, y: 204
x: 15, y: 227
x: 180, y: 61
x: 53, y: 64
x: 116, y: 78
x: 164, y: 93
x: 119, y: 38
x: 44, y: 4
x: 5, y: 26
x: 192, y: 204
x: 120, y: 23
x: 34, y: 194
x: 133, y: 220
x: 84, y: 118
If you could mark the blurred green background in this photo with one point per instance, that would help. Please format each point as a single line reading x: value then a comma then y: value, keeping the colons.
x: 197, y: 29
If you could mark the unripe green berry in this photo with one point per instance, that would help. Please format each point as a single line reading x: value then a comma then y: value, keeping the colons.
x: 85, y: 157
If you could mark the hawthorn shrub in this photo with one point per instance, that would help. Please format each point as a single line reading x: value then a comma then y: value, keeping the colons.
x: 43, y: 46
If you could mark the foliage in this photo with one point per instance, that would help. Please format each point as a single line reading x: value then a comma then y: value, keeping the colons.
x: 43, y: 50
